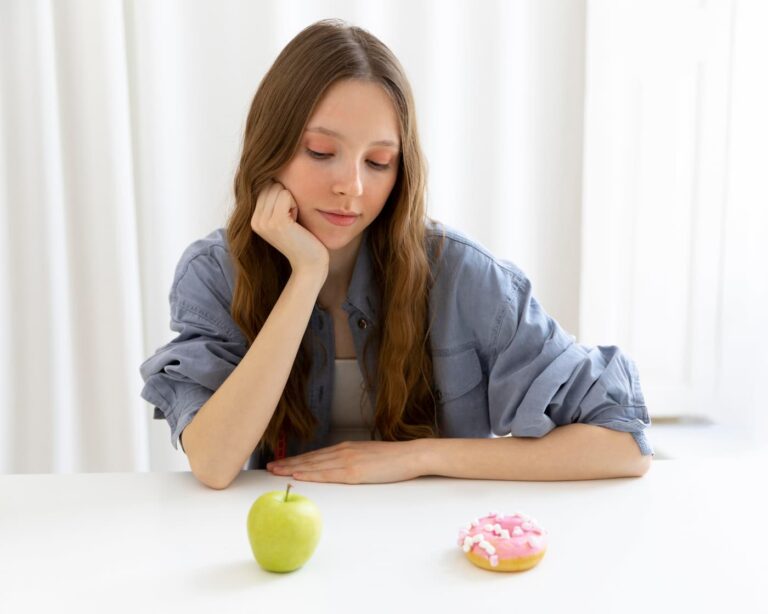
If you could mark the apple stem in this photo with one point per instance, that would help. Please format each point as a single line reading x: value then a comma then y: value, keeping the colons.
x: 287, y: 490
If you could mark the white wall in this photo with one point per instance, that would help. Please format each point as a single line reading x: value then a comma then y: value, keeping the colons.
x: 675, y: 202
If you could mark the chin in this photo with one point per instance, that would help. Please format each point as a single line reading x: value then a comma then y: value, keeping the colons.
x: 335, y: 237
x: 336, y: 242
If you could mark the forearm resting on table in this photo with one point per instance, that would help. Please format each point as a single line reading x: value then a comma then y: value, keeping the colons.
x: 571, y: 452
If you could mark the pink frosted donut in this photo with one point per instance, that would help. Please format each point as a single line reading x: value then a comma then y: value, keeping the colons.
x: 503, y: 543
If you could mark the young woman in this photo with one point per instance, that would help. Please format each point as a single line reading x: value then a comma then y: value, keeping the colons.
x: 336, y: 328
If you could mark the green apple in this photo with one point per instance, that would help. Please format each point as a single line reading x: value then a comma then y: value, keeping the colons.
x: 283, y: 529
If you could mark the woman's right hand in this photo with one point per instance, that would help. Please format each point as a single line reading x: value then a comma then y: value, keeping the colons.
x: 274, y: 219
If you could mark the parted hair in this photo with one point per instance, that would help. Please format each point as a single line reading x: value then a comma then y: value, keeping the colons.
x: 320, y: 55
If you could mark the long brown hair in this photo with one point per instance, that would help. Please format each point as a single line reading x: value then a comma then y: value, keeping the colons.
x: 318, y: 56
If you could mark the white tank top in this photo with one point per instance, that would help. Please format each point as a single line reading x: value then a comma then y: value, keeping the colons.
x: 349, y: 421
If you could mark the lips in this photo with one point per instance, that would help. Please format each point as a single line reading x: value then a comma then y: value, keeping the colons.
x: 339, y: 220
x: 341, y: 213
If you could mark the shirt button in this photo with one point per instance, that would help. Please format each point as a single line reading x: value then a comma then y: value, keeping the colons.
x: 439, y: 395
x: 361, y: 323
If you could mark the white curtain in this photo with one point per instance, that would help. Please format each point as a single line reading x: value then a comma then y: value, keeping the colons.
x: 121, y: 126
x: 71, y: 310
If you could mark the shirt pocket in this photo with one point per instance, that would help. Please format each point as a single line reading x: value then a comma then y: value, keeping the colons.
x: 456, y: 374
x: 462, y: 394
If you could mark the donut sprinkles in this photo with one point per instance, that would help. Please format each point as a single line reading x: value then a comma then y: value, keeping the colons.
x: 499, y: 542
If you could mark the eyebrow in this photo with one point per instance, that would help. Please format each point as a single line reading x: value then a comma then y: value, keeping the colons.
x: 328, y: 131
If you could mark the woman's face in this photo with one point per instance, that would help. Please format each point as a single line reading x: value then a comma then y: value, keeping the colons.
x: 347, y: 161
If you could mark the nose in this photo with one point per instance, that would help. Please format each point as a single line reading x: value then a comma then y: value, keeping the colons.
x: 349, y: 181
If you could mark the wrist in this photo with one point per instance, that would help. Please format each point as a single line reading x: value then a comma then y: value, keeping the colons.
x: 422, y: 452
x: 314, y: 277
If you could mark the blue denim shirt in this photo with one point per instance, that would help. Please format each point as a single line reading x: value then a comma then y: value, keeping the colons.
x: 501, y: 364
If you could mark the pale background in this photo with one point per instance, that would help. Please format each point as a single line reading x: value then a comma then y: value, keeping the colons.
x: 614, y: 150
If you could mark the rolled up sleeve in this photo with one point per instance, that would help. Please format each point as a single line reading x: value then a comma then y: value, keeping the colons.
x: 183, y: 374
x: 541, y: 378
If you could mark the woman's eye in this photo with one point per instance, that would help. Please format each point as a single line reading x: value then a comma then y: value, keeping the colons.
x: 377, y: 166
x: 322, y: 156
x: 317, y: 154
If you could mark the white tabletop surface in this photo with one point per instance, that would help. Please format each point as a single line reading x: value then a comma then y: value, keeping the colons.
x: 689, y: 536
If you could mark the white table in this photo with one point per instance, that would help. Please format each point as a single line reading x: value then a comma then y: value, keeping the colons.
x: 689, y: 536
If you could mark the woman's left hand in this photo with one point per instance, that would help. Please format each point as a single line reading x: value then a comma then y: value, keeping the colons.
x: 354, y: 462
